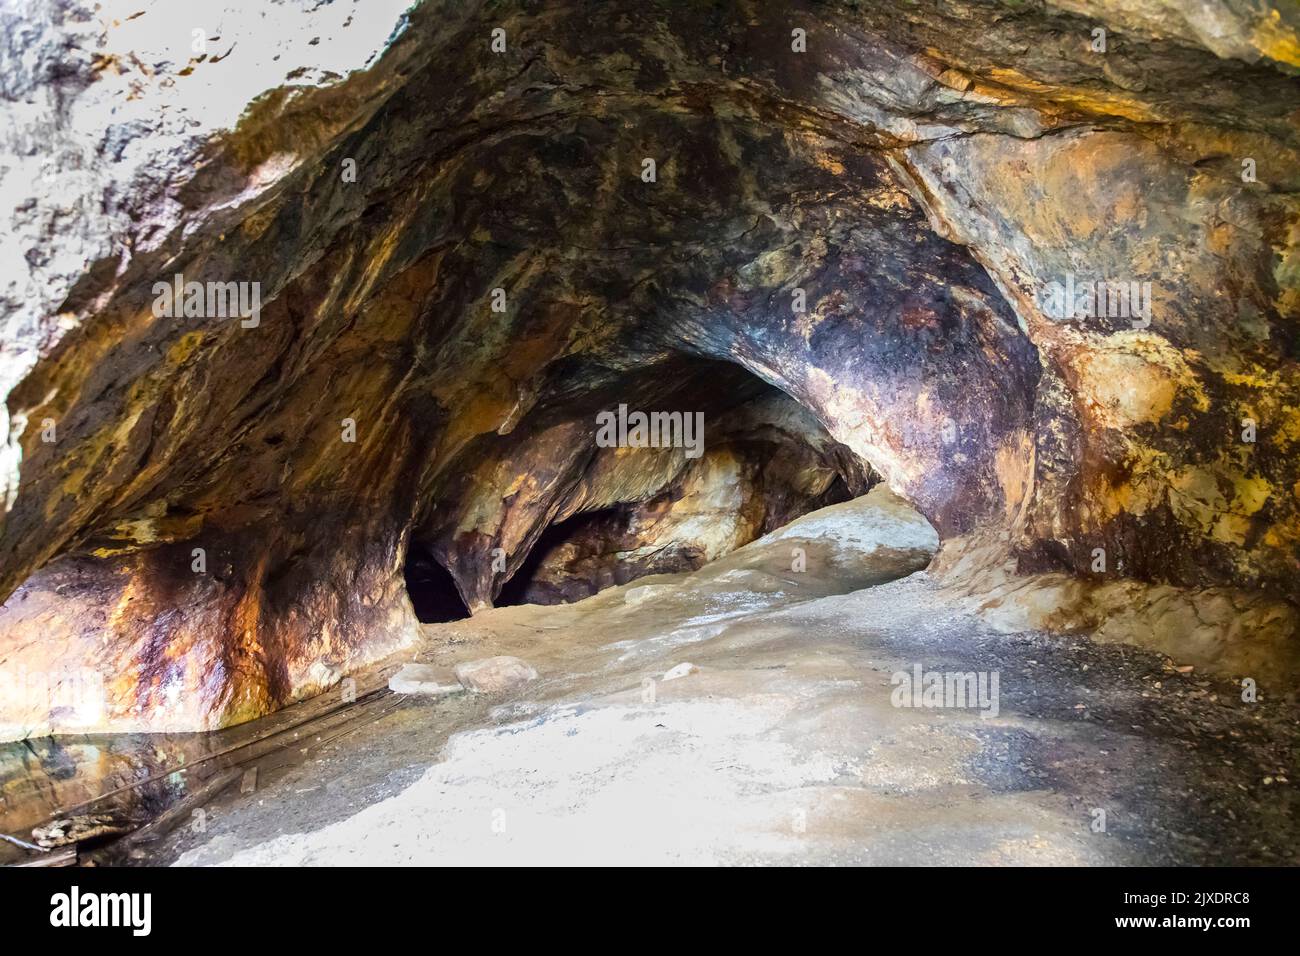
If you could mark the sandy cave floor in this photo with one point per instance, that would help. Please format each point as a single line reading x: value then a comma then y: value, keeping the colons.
x: 785, y: 747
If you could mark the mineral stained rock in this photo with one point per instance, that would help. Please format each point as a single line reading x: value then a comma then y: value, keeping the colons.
x: 1036, y: 265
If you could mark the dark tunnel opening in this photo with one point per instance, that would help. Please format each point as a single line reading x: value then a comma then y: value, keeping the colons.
x: 431, y: 588
x: 524, y: 586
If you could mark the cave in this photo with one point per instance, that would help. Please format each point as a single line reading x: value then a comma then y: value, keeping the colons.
x: 905, y: 388
x: 528, y: 585
x: 431, y: 589
x: 706, y: 459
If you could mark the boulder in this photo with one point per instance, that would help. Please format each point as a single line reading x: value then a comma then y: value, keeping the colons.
x: 494, y: 675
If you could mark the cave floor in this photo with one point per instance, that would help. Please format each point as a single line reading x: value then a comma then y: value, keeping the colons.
x: 785, y: 746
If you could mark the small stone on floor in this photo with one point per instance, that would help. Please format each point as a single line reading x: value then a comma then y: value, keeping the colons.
x: 494, y: 674
x: 422, y: 679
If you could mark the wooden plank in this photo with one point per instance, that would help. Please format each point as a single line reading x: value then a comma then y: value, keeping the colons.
x: 292, y: 728
x: 63, y: 856
x: 302, y: 725
x: 23, y: 844
x: 169, y: 818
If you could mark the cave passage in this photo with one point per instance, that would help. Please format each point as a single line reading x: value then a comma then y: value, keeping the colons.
x: 591, y: 543
x: 431, y: 588
x: 619, y: 497
x: 522, y: 587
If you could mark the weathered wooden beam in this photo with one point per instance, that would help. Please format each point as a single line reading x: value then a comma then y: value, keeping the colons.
x: 63, y: 856
x: 169, y: 818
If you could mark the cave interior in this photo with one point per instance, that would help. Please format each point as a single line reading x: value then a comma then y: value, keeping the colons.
x: 325, y: 362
